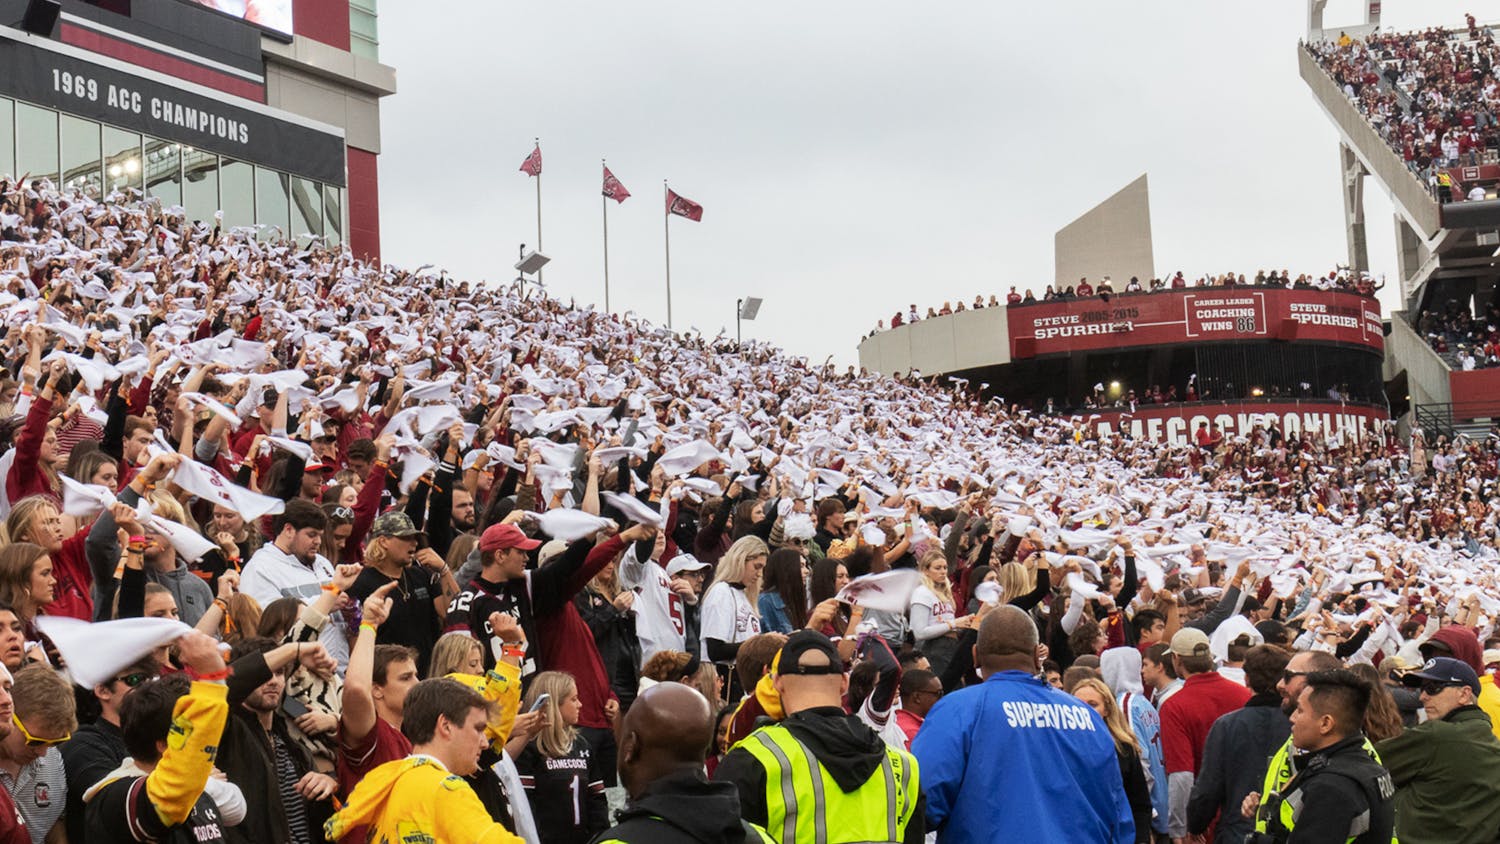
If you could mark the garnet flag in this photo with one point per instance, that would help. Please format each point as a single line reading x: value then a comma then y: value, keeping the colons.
x: 683, y: 207
x: 612, y: 187
x: 532, y: 166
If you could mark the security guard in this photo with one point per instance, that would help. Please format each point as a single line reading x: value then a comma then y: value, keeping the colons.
x: 1338, y: 792
x: 822, y: 776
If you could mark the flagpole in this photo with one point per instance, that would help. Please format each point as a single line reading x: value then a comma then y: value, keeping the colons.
x: 539, y: 213
x: 604, y: 200
x: 666, y: 225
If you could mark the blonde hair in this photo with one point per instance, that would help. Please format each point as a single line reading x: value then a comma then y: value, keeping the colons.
x: 24, y: 513
x: 169, y: 508
x: 1114, y: 718
x: 943, y: 590
x: 732, y: 565
x: 556, y: 739
x: 450, y: 654
x: 1013, y: 579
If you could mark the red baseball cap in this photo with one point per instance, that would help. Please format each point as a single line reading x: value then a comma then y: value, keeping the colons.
x: 496, y: 537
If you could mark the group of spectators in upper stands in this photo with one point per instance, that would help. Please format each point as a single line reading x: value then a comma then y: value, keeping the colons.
x: 1340, y: 279
x: 1432, y: 95
x: 1463, y: 340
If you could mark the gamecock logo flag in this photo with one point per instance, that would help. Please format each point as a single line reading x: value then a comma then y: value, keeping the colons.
x: 683, y: 207
x: 532, y: 166
x: 612, y: 187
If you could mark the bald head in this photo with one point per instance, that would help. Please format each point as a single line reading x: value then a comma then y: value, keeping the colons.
x: 1007, y: 641
x: 668, y: 728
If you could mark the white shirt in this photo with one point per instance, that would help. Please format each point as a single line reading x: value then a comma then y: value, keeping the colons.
x: 727, y: 616
x: 273, y: 573
x: 659, y: 617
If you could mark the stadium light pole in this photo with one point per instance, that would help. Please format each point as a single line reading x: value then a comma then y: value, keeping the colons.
x: 745, y: 308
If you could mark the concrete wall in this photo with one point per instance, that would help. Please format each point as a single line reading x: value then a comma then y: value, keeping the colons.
x: 941, y: 344
x: 1111, y: 239
x: 1427, y: 379
x: 299, y: 92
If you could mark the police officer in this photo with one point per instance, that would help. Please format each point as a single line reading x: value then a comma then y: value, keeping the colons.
x: 1337, y: 792
x: 822, y: 775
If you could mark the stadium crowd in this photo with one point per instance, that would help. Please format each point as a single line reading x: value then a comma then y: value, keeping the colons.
x: 1432, y: 96
x: 1463, y: 340
x: 1339, y: 279
x: 297, y: 546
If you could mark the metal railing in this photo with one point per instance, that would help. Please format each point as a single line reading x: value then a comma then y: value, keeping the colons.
x: 1451, y: 418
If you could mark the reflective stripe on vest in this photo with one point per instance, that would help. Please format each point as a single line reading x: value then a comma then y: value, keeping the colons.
x: 1278, y: 774
x: 795, y: 779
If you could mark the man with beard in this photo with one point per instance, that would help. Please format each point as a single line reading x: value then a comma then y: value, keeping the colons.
x: 290, y: 800
x: 289, y: 566
x: 1283, y: 765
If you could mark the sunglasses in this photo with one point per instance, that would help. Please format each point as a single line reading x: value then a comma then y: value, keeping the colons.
x: 134, y: 678
x: 33, y: 741
x: 343, y: 513
x: 1286, y: 676
x: 1433, y: 688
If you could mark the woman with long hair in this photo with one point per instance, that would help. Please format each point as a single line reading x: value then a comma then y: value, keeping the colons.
x: 560, y: 775
x: 36, y: 519
x: 336, y: 535
x: 607, y: 609
x: 728, y: 612
x: 1093, y: 692
x: 934, y: 622
x: 1382, y: 716
x: 456, y: 653
x: 26, y: 582
x: 783, y: 600
x: 828, y: 577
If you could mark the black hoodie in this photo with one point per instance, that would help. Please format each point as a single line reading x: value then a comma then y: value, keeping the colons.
x: 683, y: 808
x: 845, y: 746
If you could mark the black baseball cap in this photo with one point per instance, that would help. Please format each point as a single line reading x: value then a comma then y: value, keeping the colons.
x: 789, y: 659
x: 1444, y: 669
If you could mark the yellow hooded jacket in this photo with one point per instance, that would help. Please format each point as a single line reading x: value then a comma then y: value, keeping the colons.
x: 417, y: 801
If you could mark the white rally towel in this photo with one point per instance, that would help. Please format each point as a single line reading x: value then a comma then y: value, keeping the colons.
x: 209, y: 485
x: 188, y: 543
x: 634, y: 509
x: 219, y: 409
x: 889, y: 591
x: 686, y: 458
x: 570, y: 525
x: 96, y: 652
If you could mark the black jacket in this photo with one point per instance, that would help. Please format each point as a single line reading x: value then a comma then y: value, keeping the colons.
x: 682, y: 809
x: 844, y: 745
x: 94, y: 751
x: 1239, y: 746
x: 615, y: 637
x: 1344, y: 794
x: 247, y: 758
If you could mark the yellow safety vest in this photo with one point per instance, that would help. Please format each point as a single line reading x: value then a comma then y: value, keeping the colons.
x: 1278, y: 774
x: 805, y: 806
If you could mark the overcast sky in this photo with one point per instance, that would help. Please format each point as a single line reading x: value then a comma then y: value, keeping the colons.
x: 854, y: 157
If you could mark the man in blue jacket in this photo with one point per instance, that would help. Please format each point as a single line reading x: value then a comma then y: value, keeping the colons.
x: 1014, y: 758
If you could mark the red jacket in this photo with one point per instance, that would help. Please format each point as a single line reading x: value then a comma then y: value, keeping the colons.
x: 568, y: 644
x: 26, y: 476
x: 72, y: 596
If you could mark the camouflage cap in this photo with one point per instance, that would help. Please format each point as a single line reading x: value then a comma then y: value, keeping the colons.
x: 394, y: 523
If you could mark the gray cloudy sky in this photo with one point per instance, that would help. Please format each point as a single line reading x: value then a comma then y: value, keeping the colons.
x: 854, y: 157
